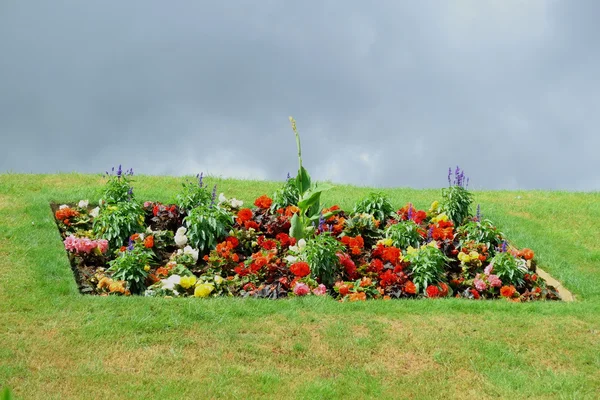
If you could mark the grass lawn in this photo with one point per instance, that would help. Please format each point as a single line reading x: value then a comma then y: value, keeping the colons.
x: 56, y: 343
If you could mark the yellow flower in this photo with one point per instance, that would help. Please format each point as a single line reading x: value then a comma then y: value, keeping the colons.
x: 218, y: 279
x: 386, y: 242
x: 440, y: 217
x: 474, y: 255
x: 146, y: 268
x: 203, y: 290
x: 463, y: 257
x: 187, y: 281
x: 433, y: 243
x: 434, y: 206
x: 411, y: 250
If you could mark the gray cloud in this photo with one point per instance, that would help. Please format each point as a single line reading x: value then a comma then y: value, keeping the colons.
x: 385, y: 94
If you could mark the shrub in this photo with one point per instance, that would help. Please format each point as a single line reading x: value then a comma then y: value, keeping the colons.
x: 116, y: 223
x: 129, y: 266
x: 427, y: 266
x: 376, y: 204
x: 207, y: 226
x: 480, y: 232
x: 404, y: 234
x: 363, y: 225
x: 287, y: 195
x: 509, y: 269
x: 321, y: 255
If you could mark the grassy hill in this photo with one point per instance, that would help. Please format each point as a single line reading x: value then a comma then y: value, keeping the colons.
x: 56, y: 343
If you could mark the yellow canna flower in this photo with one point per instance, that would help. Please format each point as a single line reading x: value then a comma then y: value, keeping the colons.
x: 146, y: 268
x: 434, y: 206
x: 187, y: 281
x: 203, y: 290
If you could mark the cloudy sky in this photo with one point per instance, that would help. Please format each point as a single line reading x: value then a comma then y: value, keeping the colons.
x: 385, y: 93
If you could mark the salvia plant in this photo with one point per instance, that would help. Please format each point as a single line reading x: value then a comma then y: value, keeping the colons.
x: 193, y: 194
x: 118, y: 188
x: 456, y: 198
x: 287, y: 195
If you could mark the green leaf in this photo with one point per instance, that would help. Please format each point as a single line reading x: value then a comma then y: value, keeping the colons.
x: 303, y: 180
x: 296, y: 228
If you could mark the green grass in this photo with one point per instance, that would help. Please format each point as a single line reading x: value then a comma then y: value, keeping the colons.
x: 56, y: 343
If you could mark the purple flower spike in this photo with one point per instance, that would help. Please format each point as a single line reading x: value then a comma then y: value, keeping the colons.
x: 321, y: 222
x: 214, y: 196
x: 449, y: 176
x: 119, y: 171
x: 200, y: 177
x: 288, y: 176
x: 504, y: 246
x: 130, y: 246
x: 410, y: 211
x: 478, y: 213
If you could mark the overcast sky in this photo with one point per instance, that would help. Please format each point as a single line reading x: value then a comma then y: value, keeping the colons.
x: 385, y: 93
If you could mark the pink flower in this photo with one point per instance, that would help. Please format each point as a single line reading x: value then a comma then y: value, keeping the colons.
x: 301, y: 289
x: 488, y: 269
x: 494, y: 281
x: 479, y: 284
x: 320, y: 290
x: 85, y: 245
x: 102, y: 245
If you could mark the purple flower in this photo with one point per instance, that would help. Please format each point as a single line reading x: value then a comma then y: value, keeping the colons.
x: 200, y: 177
x: 214, y: 195
x: 478, y: 217
x: 449, y: 176
x: 119, y: 171
x: 410, y: 211
x: 288, y: 176
x: 321, y: 222
x: 503, y: 246
x: 130, y: 246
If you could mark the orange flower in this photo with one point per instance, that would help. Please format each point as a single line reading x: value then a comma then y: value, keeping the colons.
x: 410, y: 288
x: 263, y: 202
x: 149, y: 242
x: 528, y: 254
x: 358, y: 296
x: 507, y: 291
x: 300, y: 269
x: 366, y: 282
x: 135, y: 236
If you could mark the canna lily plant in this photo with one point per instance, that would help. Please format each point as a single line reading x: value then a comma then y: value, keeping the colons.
x: 309, y: 201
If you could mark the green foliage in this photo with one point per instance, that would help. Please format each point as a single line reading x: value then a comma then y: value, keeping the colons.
x: 456, y: 203
x: 309, y: 198
x: 286, y: 195
x: 427, y: 266
x: 116, y: 223
x: 404, y: 234
x: 207, y: 226
x: 129, y: 267
x: 482, y: 231
x: 509, y: 269
x: 321, y: 254
x: 376, y: 204
x: 193, y: 194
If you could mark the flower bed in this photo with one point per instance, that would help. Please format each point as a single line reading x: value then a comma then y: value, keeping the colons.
x: 289, y: 245
x: 205, y: 246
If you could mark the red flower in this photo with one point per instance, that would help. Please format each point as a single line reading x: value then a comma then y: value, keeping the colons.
x: 376, y: 265
x: 232, y: 240
x: 263, y: 202
x: 245, y: 214
x: 149, y: 242
x: 475, y: 294
x: 300, y: 269
x: 135, y: 236
x: 251, y: 225
x: 444, y: 289
x: 410, y: 288
x: 285, y: 239
x: 391, y: 254
x: 432, y: 291
x: 348, y: 265
x: 388, y: 278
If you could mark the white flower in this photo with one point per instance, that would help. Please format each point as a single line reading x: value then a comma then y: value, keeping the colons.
x: 95, y: 212
x: 301, y: 244
x: 83, y: 203
x: 170, y: 282
x: 63, y: 206
x: 218, y: 279
x: 192, y: 252
x: 180, y: 238
x: 235, y: 203
x: 222, y: 198
x: 291, y: 259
